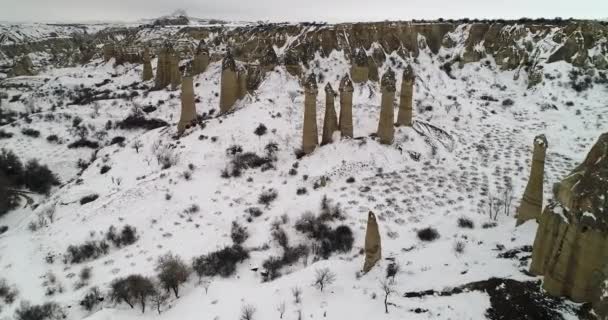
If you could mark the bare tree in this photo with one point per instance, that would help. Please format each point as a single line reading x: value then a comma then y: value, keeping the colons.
x: 281, y: 309
x: 158, y: 298
x: 247, y: 312
x: 494, y: 206
x: 387, y: 287
x: 137, y: 144
x: 507, y: 199
x: 324, y: 277
x: 172, y: 272
x: 297, y: 294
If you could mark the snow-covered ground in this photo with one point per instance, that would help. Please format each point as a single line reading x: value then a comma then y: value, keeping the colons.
x: 490, y: 148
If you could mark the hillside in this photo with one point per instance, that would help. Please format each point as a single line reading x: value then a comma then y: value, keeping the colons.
x: 476, y: 115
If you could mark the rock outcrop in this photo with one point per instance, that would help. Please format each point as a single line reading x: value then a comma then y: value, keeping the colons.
x: 229, y: 87
x: 360, y: 66
x: 188, y: 114
x: 241, y: 76
x: 571, y: 245
x: 404, y: 117
x: 269, y: 60
x: 147, y: 73
x: 176, y: 75
x: 108, y: 52
x: 201, y: 58
x: 292, y: 63
x: 373, y: 245
x: 310, y: 137
x: 23, y: 67
x: 163, y: 66
x: 330, y: 122
x: 386, y: 129
x: 346, y: 107
x: 532, y: 202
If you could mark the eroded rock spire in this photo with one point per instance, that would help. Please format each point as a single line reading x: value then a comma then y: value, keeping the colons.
x: 532, y: 202
x: 310, y: 138
x: 346, y: 107
x: 386, y: 130
x: 330, y: 122
x: 404, y: 117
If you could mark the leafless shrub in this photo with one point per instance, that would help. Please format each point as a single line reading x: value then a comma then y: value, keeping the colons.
x: 247, y: 312
x: 281, y: 309
x: 324, y: 277
x: 387, y: 288
x: 297, y: 294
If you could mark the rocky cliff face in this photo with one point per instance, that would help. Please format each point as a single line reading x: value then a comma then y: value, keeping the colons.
x: 571, y: 245
x: 513, y: 45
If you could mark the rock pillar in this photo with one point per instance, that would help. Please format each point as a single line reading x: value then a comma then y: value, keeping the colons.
x: 373, y: 245
x: 176, y: 75
x: 201, y: 58
x: 571, y: 245
x: 163, y: 69
x: 532, y: 203
x: 330, y: 122
x: 229, y: 87
x: 404, y: 118
x: 346, y: 107
x: 188, y: 115
x: 147, y: 74
x: 359, y: 66
x: 310, y: 138
x: 386, y: 130
x: 108, y: 52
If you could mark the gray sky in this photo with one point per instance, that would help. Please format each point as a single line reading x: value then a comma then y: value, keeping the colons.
x: 301, y: 10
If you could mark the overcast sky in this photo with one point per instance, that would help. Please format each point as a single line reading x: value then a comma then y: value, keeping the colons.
x: 301, y: 10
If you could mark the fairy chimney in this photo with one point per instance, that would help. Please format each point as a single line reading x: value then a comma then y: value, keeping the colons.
x: 147, y: 74
x: 359, y: 66
x: 176, y: 75
x: 188, y: 115
x: 571, y: 245
x: 310, y: 138
x: 292, y: 62
x: 269, y: 60
x: 229, y: 87
x: 532, y: 202
x: 404, y: 117
x: 330, y: 122
x: 373, y: 245
x: 163, y: 69
x: 108, y: 52
x: 201, y: 58
x: 386, y: 130
x: 346, y: 107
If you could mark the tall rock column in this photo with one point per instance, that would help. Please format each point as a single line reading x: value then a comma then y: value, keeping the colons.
x: 346, y: 107
x: 176, y: 75
x: 386, y: 130
x: 163, y: 68
x: 359, y: 66
x: 404, y: 118
x: 373, y: 245
x: 310, y: 137
x: 532, y: 203
x: 201, y: 59
x: 229, y: 87
x: 188, y: 115
x: 147, y: 74
x: 330, y: 122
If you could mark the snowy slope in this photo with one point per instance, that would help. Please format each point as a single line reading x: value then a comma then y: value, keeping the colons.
x: 491, y: 144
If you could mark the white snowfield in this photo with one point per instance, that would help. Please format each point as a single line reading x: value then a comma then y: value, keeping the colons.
x: 491, y: 144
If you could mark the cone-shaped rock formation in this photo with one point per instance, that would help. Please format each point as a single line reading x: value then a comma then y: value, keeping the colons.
x: 147, y: 74
x: 310, y: 137
x: 330, y: 122
x: 373, y: 245
x: 229, y: 87
x: 571, y: 245
x: 359, y: 66
x: 386, y: 130
x: 188, y: 115
x: 404, y: 118
x: 201, y: 58
x: 532, y: 203
x: 346, y: 107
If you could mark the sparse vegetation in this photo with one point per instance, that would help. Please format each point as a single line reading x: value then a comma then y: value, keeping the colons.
x: 428, y: 234
x: 222, y: 262
x: 465, y: 223
x: 46, y: 311
x: 324, y: 277
x: 172, y: 272
x: 267, y: 197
